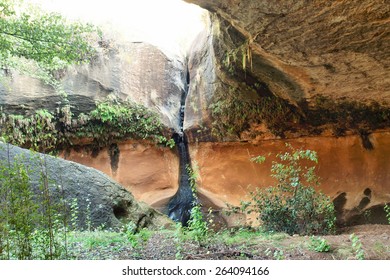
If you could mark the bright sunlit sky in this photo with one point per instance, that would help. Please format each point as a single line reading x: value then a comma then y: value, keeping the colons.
x: 169, y: 24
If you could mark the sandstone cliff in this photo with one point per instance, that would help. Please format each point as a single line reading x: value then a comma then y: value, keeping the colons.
x: 311, y: 73
x: 317, y: 66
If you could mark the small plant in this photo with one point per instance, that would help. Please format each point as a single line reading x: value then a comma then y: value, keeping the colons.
x: 276, y: 254
x: 293, y: 205
x: 197, y: 225
x: 319, y: 244
x: 131, y: 234
x: 357, y: 246
x: 179, y: 237
x: 367, y: 215
x: 74, y: 213
x: 387, y: 211
x: 135, y: 237
x: 144, y: 235
x: 88, y: 217
x: 37, y: 131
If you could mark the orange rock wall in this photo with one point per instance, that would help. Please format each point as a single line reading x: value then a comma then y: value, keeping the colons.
x: 150, y: 173
x: 226, y: 173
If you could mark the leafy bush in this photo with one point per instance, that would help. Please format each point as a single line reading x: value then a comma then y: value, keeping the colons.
x: 293, y: 205
x: 319, y: 244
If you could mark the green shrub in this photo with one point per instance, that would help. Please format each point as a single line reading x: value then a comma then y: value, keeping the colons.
x: 293, y: 205
x: 319, y: 244
x: 116, y: 120
x: 357, y: 247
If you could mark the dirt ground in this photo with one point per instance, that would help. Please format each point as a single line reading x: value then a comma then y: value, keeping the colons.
x: 375, y: 240
x: 372, y: 242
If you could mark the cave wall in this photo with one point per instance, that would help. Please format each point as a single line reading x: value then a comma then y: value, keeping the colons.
x: 338, y: 49
x: 240, y: 91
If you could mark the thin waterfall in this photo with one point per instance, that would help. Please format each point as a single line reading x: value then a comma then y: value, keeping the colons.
x: 179, y: 207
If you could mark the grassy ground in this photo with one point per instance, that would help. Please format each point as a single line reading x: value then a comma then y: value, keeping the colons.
x: 368, y: 242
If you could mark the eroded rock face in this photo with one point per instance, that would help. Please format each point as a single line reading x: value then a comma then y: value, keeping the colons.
x: 137, y: 72
x: 99, y: 198
x: 315, y: 65
x: 149, y: 172
x: 320, y: 44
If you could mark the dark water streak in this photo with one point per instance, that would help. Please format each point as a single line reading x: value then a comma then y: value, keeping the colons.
x: 179, y: 207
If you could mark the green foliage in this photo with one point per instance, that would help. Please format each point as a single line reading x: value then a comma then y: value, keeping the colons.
x: 135, y: 237
x: 276, y: 254
x: 131, y: 234
x: 319, y: 244
x: 97, y: 244
x: 114, y: 120
x: 197, y: 225
x: 74, y: 213
x: 387, y: 211
x: 293, y: 205
x: 18, y: 211
x: 357, y: 246
x: 231, y: 57
x: 179, y: 238
x: 31, y: 224
x: 110, y: 122
x: 46, y: 38
x: 37, y: 132
x: 42, y: 45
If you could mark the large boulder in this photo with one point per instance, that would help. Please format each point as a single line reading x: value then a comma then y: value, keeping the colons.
x: 100, y: 199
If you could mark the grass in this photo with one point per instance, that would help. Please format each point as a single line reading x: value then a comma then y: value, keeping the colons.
x: 95, y: 245
x: 236, y: 243
x: 96, y: 239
